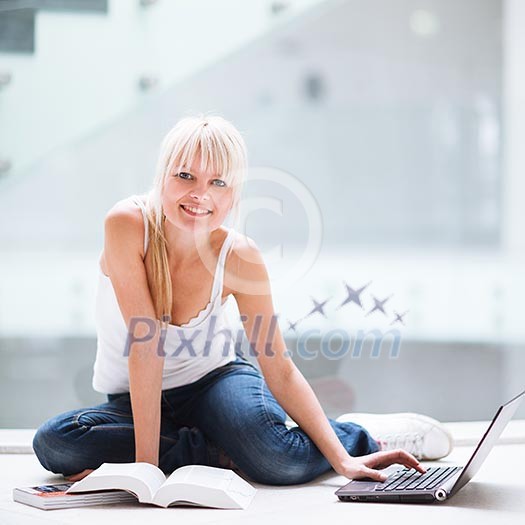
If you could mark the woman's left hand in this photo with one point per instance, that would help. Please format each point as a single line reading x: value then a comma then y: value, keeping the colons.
x: 364, y: 466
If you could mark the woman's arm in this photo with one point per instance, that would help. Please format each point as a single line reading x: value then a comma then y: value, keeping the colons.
x: 284, y: 379
x: 123, y: 257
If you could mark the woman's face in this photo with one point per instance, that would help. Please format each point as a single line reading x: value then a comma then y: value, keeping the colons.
x: 196, y: 200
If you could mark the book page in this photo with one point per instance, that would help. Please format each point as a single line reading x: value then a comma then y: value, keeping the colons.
x: 213, y: 478
x: 205, y: 486
x: 150, y: 474
x: 203, y: 476
x: 142, y: 479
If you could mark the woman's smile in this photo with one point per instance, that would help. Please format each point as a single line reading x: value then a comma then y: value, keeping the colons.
x: 194, y: 211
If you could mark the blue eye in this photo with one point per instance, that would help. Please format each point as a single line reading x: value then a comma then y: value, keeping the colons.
x: 184, y: 175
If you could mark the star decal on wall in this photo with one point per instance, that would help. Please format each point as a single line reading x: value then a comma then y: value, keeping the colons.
x: 379, y: 306
x: 353, y: 296
x: 399, y: 317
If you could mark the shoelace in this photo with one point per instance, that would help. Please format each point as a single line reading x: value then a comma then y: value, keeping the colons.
x: 411, y: 442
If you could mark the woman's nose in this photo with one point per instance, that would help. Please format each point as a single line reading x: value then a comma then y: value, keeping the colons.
x: 200, y: 193
x: 199, y: 196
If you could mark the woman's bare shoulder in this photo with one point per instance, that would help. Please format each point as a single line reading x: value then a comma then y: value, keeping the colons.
x: 125, y: 210
x: 123, y: 230
x: 244, y: 263
x: 244, y: 248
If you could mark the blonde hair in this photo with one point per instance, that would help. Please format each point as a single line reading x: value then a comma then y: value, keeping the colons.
x: 221, y: 149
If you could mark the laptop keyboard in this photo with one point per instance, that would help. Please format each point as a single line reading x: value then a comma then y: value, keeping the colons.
x: 410, y: 479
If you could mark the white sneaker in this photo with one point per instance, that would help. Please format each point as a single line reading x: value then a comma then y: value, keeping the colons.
x: 421, y: 436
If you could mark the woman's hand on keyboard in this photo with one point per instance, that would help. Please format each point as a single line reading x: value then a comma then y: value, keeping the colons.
x: 365, y: 466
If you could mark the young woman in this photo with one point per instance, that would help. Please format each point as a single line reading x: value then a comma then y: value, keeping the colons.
x: 177, y: 396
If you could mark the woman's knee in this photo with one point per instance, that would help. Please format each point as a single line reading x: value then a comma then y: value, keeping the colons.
x: 51, y: 441
x: 283, y: 472
x: 288, y: 460
x: 356, y: 439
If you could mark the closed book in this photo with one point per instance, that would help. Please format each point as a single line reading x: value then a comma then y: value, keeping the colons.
x: 54, y: 496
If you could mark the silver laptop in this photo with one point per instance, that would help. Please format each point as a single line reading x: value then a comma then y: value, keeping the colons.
x: 438, y: 483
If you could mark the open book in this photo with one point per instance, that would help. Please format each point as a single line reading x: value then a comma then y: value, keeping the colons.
x: 189, y: 485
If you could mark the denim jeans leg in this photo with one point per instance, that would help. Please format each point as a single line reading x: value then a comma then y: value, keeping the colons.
x: 239, y: 413
x: 85, y: 438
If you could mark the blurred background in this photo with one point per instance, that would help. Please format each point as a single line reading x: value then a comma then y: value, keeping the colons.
x: 402, y: 121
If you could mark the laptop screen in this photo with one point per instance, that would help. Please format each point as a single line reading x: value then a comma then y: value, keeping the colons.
x: 502, y: 417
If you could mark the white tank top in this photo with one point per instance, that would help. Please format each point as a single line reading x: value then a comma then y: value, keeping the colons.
x: 192, y: 349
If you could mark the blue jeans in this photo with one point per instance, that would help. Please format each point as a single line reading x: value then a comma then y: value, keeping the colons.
x: 229, y: 415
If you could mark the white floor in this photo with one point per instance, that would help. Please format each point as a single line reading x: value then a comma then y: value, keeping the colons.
x: 494, y: 496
